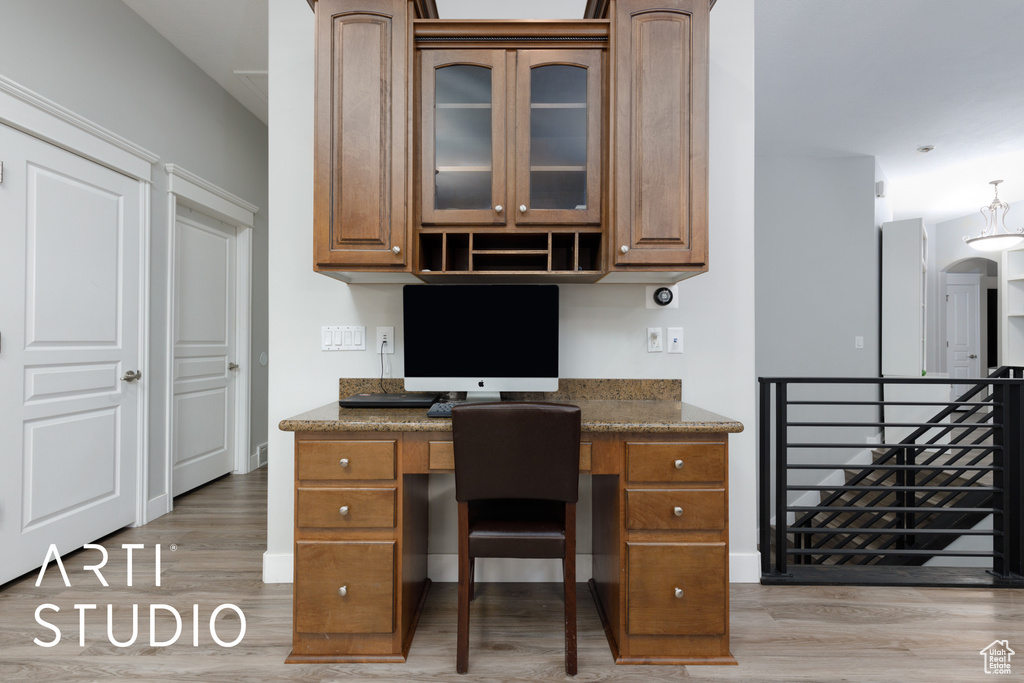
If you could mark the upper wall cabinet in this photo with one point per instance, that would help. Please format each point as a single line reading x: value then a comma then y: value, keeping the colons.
x: 659, y: 146
x: 571, y: 151
x: 361, y: 178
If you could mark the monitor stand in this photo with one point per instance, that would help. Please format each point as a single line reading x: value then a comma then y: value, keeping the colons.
x: 483, y: 396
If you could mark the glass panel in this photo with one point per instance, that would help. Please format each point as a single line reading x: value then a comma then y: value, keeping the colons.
x: 558, y: 137
x: 462, y: 137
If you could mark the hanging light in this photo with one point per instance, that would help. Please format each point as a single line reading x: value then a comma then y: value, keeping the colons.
x: 993, y: 237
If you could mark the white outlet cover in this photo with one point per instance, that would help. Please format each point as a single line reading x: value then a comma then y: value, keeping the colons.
x: 675, y: 340
x: 390, y: 332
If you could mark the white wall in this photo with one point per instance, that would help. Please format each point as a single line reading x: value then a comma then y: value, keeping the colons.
x: 103, y: 62
x: 817, y: 290
x: 603, y: 326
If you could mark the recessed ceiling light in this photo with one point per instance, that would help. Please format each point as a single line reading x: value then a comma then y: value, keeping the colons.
x: 924, y: 149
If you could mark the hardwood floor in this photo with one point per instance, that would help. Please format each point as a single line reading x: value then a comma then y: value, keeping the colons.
x: 219, y: 531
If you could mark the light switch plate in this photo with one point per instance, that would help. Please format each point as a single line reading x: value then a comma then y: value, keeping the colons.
x: 655, y: 340
x: 675, y: 340
x: 343, y: 338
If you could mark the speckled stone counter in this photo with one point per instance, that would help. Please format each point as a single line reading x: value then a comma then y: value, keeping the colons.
x: 640, y: 406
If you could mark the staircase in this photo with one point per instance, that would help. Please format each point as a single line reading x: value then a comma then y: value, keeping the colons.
x: 893, y: 516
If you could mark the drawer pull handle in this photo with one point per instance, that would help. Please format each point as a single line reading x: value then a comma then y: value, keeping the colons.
x: 677, y: 511
x: 343, y: 510
x: 679, y: 592
x: 343, y: 462
x: 343, y: 591
x: 679, y: 464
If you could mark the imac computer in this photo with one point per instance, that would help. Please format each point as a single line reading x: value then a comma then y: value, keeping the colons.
x: 481, y: 339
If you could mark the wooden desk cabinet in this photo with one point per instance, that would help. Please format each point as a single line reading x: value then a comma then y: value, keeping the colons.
x: 660, y: 543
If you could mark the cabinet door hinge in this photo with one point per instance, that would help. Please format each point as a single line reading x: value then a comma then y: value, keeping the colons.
x: 1, y: 171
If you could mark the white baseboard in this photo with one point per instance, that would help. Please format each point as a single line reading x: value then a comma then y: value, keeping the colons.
x: 157, y: 507
x: 277, y: 568
x: 259, y: 458
x: 744, y: 567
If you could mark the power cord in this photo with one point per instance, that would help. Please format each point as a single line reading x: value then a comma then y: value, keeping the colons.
x: 383, y: 344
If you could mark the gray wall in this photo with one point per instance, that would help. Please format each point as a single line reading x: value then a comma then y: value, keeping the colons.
x: 102, y: 61
x: 817, y: 289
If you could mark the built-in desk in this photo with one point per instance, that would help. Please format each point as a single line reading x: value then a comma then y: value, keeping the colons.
x: 660, y: 528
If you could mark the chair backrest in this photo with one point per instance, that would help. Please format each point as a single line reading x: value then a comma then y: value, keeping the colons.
x: 516, y: 450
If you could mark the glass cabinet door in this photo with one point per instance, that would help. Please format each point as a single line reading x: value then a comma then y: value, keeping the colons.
x: 463, y: 151
x: 558, y: 130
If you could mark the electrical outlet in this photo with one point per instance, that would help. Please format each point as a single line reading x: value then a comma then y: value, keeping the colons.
x: 385, y: 340
x: 675, y: 340
x: 655, y: 343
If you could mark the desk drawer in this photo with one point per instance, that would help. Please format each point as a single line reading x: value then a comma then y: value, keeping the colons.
x: 441, y: 455
x: 676, y: 589
x: 346, y: 460
x: 347, y: 508
x: 675, y: 462
x: 345, y: 587
x: 681, y: 510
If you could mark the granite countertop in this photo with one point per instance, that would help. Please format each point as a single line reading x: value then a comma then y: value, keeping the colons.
x: 599, y: 415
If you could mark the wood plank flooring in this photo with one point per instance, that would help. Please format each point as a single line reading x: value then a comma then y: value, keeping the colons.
x: 779, y: 633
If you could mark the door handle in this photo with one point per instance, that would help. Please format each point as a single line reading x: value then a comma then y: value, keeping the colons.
x: 232, y: 366
x: 973, y: 355
x: 131, y: 376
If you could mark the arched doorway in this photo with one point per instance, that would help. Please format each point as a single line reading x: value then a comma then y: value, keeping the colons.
x: 969, y: 317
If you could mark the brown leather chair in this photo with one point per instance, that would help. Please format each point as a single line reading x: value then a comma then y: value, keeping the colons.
x: 516, y: 483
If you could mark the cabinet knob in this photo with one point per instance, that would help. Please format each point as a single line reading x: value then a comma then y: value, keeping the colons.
x: 343, y: 591
x: 522, y: 208
x: 343, y: 510
x: 397, y: 249
x: 499, y: 208
x: 624, y: 249
x: 343, y: 462
x: 677, y: 511
x: 679, y: 592
x: 679, y: 464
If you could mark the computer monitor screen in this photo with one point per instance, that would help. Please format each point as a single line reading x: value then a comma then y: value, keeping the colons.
x: 481, y: 339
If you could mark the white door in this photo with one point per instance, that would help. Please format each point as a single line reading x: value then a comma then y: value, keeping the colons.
x: 963, y: 329
x: 70, y: 416
x: 204, y: 345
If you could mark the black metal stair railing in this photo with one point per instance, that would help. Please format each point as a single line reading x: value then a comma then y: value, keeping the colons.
x: 917, y: 497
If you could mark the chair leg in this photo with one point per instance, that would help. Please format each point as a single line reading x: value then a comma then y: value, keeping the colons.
x: 472, y: 579
x: 465, y: 588
x: 569, y: 581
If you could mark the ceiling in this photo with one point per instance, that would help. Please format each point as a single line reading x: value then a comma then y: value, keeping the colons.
x: 833, y: 78
x: 225, y: 38
x: 884, y: 77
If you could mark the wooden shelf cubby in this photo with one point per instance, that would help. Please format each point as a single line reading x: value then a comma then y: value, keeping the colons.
x: 569, y: 255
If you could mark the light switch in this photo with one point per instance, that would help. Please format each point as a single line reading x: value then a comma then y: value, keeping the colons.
x: 343, y: 338
x: 655, y: 344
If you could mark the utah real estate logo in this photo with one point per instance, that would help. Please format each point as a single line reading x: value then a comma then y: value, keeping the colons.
x: 997, y: 657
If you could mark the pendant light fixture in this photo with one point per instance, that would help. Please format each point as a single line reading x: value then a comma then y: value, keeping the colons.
x: 995, y: 236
